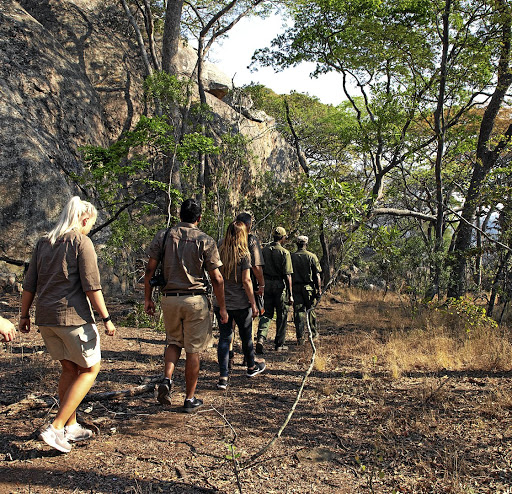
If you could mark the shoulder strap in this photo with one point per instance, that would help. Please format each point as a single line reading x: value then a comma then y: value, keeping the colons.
x: 162, y: 249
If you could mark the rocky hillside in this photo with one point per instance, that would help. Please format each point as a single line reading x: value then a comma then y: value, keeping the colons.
x: 70, y: 75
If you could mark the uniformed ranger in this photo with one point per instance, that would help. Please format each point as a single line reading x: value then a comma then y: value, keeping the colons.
x: 307, y: 286
x: 277, y: 272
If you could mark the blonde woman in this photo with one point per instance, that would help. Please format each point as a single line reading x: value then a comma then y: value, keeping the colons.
x: 239, y: 298
x: 63, y: 273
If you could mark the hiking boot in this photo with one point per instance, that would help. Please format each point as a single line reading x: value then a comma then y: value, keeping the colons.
x: 190, y: 405
x: 258, y: 368
x: 164, y: 392
x: 259, y: 346
x: 77, y: 432
x: 281, y: 348
x: 223, y: 383
x: 56, y: 439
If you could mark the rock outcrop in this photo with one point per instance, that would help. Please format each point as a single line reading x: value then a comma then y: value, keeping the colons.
x: 70, y: 75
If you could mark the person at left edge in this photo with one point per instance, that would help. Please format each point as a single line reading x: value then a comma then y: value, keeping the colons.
x: 187, y: 254
x: 7, y: 330
x: 64, y: 274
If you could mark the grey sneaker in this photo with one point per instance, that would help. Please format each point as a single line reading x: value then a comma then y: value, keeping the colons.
x: 164, y: 392
x: 55, y: 438
x: 258, y: 368
x: 77, y: 432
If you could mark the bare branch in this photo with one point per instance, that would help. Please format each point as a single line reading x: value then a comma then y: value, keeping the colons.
x: 403, y: 212
x: 140, y: 39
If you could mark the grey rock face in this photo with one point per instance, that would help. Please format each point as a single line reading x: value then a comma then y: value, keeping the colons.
x: 71, y: 76
x: 47, y: 110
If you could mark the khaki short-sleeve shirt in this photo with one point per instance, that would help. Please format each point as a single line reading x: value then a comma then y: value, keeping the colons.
x: 188, y: 253
x: 60, y: 274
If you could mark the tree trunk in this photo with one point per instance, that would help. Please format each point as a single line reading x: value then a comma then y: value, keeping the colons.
x: 440, y: 136
x: 486, y: 158
x: 498, y: 278
x: 171, y: 36
x: 325, y: 262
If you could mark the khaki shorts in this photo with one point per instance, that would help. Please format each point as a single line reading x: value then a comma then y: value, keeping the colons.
x: 79, y: 344
x: 187, y: 322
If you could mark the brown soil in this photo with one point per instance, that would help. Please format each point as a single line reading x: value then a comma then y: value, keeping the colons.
x: 354, y: 430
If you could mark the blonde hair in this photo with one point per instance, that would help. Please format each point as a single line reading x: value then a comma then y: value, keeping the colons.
x: 234, y: 248
x: 71, y: 218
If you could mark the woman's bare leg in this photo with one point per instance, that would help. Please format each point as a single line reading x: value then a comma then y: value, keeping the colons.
x: 75, y: 382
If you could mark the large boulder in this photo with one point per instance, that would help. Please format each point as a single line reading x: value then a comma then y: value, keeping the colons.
x: 48, y: 109
x: 71, y: 75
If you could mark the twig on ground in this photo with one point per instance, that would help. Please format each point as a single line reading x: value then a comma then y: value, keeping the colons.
x: 434, y: 393
x: 232, y: 449
x: 265, y: 448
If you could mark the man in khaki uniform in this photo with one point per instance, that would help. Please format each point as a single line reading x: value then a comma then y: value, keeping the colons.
x: 186, y: 254
x: 307, y: 286
x: 277, y: 272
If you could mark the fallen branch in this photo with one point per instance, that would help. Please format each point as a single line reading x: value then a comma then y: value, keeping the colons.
x: 31, y: 401
x: 45, y: 401
x: 112, y: 395
x: 250, y: 462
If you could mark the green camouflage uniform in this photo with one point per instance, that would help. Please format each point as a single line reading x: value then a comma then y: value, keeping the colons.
x: 305, y: 274
x: 278, y: 265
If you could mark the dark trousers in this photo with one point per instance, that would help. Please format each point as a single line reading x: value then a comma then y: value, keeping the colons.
x: 275, y: 299
x: 303, y: 300
x: 243, y: 319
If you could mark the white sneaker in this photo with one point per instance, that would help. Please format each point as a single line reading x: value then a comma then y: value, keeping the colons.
x: 77, y: 432
x: 56, y: 439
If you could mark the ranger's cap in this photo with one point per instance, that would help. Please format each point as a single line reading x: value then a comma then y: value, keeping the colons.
x: 302, y: 239
x: 279, y: 232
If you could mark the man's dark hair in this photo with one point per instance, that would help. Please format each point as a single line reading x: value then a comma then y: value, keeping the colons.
x: 190, y: 211
x: 245, y: 218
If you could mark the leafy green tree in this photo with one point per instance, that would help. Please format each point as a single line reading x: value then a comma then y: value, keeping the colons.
x: 419, y: 69
x: 129, y: 179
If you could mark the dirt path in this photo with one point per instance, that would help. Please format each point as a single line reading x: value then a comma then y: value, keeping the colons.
x: 355, y: 430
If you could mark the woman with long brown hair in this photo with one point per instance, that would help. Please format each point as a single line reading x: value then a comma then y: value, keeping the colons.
x: 240, y: 301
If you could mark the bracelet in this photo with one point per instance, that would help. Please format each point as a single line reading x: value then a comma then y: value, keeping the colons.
x: 262, y: 286
x: 25, y: 317
x: 106, y: 319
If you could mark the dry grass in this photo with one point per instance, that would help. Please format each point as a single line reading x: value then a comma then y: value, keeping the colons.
x: 431, y: 341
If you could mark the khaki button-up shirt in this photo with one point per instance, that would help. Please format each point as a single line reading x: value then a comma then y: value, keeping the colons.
x: 60, y: 274
x: 255, y: 250
x: 188, y: 253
